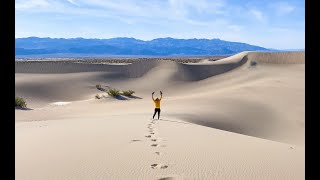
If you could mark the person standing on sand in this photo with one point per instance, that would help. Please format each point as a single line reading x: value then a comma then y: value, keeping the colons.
x: 157, y: 104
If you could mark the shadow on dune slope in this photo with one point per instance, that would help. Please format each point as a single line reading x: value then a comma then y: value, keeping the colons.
x: 245, y: 117
x: 202, y: 71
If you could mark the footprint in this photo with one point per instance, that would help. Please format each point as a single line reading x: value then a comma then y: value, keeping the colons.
x: 170, y: 178
x: 153, y: 166
x: 148, y: 136
x: 158, y: 153
x: 158, y: 166
x: 152, y: 133
x: 153, y: 139
x: 154, y: 145
x: 135, y: 140
x: 164, y: 167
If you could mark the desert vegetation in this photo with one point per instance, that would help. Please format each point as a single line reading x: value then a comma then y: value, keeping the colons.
x: 113, y: 92
x: 127, y: 93
x: 20, y: 102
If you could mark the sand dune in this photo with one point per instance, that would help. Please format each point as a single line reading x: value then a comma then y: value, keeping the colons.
x: 194, y: 71
x: 241, y: 117
x: 161, y: 72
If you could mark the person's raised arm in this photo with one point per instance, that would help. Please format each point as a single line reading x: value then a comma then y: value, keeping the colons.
x: 152, y: 96
x: 161, y: 95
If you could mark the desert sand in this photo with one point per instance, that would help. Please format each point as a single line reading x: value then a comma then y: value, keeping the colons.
x: 241, y: 117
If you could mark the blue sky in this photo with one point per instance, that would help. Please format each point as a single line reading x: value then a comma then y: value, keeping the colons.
x: 268, y: 23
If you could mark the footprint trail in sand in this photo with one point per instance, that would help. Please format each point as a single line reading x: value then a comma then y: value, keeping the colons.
x: 155, y: 143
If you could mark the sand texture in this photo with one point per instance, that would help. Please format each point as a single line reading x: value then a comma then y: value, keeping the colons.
x: 241, y: 117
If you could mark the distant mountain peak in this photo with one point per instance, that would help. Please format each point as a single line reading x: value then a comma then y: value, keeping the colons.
x: 124, y: 38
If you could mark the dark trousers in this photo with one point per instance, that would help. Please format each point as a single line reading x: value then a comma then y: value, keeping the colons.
x: 155, y: 112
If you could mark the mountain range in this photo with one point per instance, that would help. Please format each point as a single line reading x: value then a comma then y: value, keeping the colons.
x: 130, y: 46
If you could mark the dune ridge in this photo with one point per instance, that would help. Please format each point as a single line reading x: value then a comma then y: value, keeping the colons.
x: 197, y: 71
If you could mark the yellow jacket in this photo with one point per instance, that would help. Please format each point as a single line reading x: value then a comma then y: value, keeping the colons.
x: 157, y: 102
